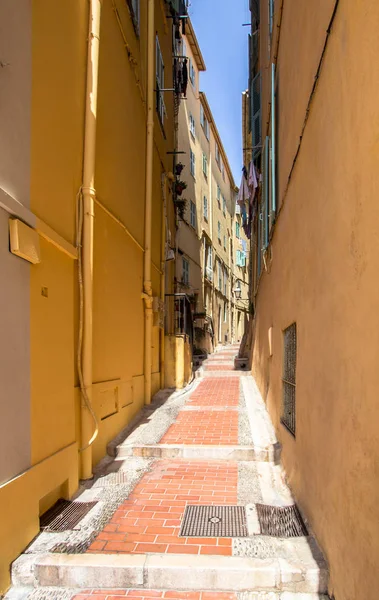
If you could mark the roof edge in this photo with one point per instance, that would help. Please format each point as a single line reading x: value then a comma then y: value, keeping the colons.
x: 191, y: 37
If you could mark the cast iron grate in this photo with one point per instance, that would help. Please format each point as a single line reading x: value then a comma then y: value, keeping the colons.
x: 288, y: 417
x: 280, y: 521
x: 64, y: 515
x: 214, y: 521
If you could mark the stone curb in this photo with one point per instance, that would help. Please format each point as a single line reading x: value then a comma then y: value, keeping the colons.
x: 169, y: 572
x: 237, y: 453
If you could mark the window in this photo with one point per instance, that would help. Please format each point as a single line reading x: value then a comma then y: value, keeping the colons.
x: 185, y: 273
x: 205, y: 165
x: 217, y: 154
x: 224, y: 205
x: 225, y: 283
x: 192, y: 163
x: 160, y: 105
x: 219, y: 276
x: 238, y: 235
x: 133, y: 6
x: 240, y: 258
x: 192, y: 125
x: 222, y: 170
x: 193, y: 214
x: 219, y: 196
x: 184, y: 48
x: 224, y: 242
x: 289, y: 379
x: 205, y: 208
x: 208, y: 261
x: 192, y: 74
x: 219, y: 231
x: 204, y: 122
x: 225, y: 313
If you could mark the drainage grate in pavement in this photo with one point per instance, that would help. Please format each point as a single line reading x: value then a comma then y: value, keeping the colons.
x: 214, y: 521
x: 280, y: 521
x: 116, y: 478
x: 65, y: 515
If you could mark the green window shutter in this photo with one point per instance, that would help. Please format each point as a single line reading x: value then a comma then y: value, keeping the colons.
x: 272, y: 148
x: 256, y: 126
x: 266, y: 193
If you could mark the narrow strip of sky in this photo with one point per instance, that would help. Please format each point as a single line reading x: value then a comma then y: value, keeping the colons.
x: 223, y: 41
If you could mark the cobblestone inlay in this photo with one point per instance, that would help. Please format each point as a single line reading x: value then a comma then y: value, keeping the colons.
x: 150, y: 519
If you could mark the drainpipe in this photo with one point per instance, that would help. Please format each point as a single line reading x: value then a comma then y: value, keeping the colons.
x: 88, y: 195
x: 147, y: 288
x: 163, y: 273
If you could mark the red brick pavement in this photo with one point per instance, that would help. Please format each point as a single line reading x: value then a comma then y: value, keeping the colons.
x: 148, y: 594
x: 216, y: 392
x: 204, y: 428
x: 150, y: 519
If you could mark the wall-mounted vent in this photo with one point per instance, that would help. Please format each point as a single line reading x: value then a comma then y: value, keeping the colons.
x: 289, y: 379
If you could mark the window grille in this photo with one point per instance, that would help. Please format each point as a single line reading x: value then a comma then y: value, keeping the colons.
x: 289, y: 379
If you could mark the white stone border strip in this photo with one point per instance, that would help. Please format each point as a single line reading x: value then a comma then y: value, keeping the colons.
x: 237, y: 453
x: 170, y: 572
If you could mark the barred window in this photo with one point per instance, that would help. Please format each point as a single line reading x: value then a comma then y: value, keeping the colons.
x: 289, y: 379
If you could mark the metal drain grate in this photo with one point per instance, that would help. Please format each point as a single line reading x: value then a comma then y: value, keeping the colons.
x: 280, y: 521
x: 214, y: 521
x: 65, y: 515
x: 117, y: 478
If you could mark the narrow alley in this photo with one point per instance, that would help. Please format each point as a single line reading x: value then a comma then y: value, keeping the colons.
x: 209, y: 446
x: 189, y: 324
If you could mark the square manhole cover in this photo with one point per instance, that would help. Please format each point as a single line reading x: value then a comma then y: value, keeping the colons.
x: 280, y: 521
x: 214, y: 521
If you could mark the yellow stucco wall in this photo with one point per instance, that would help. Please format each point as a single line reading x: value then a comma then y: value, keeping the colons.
x: 58, y: 56
x: 178, y: 367
x: 324, y: 278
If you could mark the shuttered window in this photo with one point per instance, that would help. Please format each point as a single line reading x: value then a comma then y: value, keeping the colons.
x: 256, y: 125
x: 273, y: 149
x: 134, y: 13
x: 160, y: 105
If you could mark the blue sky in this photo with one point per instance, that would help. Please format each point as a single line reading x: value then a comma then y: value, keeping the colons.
x: 224, y: 45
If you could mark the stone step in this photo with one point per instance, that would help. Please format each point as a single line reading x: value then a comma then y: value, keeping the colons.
x: 270, y: 453
x: 55, y: 593
x: 171, y: 572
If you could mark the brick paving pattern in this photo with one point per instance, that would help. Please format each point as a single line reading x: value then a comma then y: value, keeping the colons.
x: 150, y: 519
x: 216, y: 392
x: 147, y: 594
x: 204, y: 428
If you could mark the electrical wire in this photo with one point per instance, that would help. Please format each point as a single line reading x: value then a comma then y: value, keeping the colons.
x: 79, y: 235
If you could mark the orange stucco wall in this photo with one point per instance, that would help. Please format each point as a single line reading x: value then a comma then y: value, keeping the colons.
x: 323, y: 276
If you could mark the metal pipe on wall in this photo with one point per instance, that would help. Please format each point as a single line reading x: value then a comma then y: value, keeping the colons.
x: 147, y: 287
x: 88, y: 194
